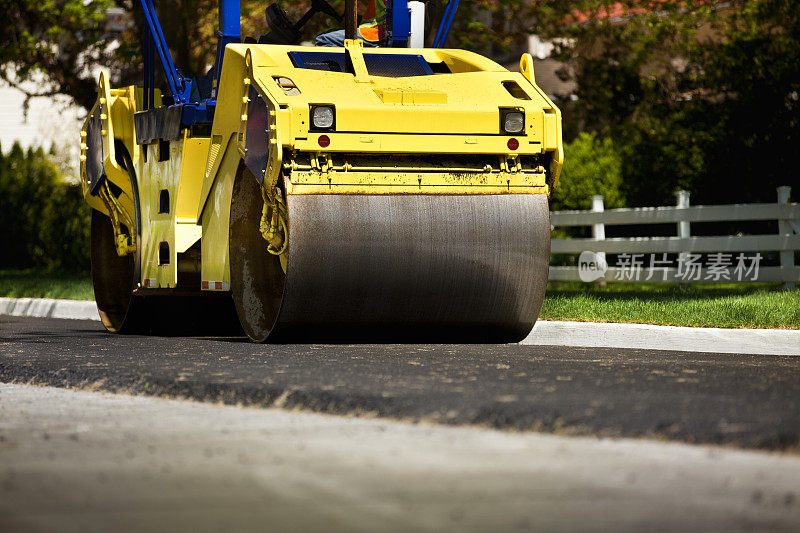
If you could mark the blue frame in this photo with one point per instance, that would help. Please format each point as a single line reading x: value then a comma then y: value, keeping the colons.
x: 180, y: 88
x: 400, y: 24
x: 229, y: 31
x: 445, y: 23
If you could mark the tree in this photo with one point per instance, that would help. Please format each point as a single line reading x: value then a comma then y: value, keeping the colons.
x: 748, y: 87
x: 696, y: 95
x: 497, y: 28
x: 56, y: 46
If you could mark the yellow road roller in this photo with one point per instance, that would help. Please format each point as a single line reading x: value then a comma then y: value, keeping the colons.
x: 352, y: 192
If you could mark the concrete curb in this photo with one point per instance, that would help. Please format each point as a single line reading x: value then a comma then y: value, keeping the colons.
x: 649, y: 337
x: 545, y: 333
x: 49, y: 308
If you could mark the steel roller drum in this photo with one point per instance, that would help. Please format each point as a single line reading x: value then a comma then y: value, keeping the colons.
x: 398, y: 268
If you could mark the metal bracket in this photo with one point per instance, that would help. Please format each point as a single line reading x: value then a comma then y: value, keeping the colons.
x: 124, y: 243
x: 354, y: 51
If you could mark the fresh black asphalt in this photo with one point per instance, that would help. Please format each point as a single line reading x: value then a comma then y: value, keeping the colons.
x: 741, y: 400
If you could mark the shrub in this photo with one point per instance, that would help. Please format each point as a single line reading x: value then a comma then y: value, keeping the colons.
x: 44, y: 220
x: 592, y: 166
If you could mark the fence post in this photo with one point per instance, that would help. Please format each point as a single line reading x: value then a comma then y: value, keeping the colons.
x: 785, y: 228
x: 684, y: 230
x: 599, y: 230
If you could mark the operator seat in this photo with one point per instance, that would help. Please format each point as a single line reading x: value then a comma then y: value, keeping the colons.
x: 282, y: 31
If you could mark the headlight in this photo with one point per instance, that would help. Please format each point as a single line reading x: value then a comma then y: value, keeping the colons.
x: 513, y: 121
x: 322, y: 117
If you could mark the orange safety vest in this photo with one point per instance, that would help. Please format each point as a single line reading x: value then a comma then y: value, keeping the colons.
x: 374, y: 29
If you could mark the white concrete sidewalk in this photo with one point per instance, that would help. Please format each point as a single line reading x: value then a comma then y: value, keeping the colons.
x: 546, y: 332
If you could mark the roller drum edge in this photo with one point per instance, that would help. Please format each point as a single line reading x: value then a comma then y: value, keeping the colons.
x: 399, y: 268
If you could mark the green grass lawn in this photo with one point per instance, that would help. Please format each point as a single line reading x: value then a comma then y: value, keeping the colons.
x: 724, y: 306
x: 38, y: 284
x: 709, y: 305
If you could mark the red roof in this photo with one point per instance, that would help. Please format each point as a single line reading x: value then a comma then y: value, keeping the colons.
x: 614, y: 10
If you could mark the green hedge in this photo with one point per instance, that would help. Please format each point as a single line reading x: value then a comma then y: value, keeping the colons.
x: 592, y: 165
x: 44, y: 220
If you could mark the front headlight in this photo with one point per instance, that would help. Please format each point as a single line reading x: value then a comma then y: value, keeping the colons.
x: 323, y: 117
x: 513, y: 121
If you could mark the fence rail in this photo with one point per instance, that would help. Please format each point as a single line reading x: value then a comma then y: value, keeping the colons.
x: 669, y: 214
x: 736, y: 243
x: 722, y: 266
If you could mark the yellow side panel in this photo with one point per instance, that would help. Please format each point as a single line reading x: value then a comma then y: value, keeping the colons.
x: 553, y: 136
x: 117, y: 107
x: 195, y: 151
x: 216, y: 219
x: 114, y: 114
x: 123, y: 106
x: 154, y: 177
x: 227, y: 118
x: 187, y: 230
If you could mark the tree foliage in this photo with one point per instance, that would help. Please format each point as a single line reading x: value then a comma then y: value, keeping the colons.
x: 55, y: 44
x: 698, y: 95
x: 59, y: 44
x: 748, y: 101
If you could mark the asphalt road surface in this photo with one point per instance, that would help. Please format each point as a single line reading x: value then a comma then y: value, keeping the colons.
x: 750, y: 401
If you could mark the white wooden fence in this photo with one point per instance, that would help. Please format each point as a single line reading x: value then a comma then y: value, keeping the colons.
x: 679, y: 259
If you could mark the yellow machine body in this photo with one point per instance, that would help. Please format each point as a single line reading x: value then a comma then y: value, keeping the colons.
x: 438, y: 134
